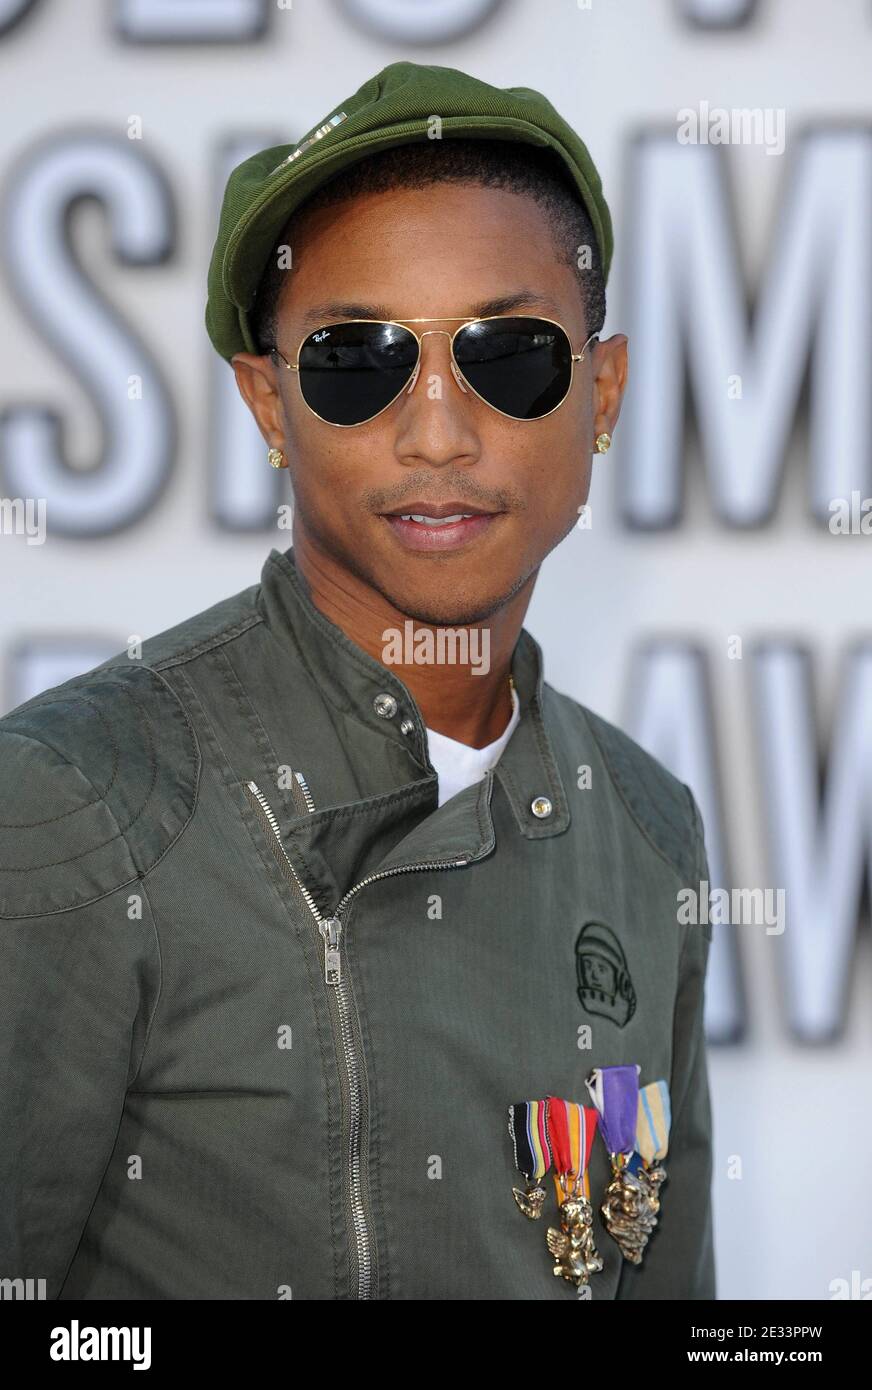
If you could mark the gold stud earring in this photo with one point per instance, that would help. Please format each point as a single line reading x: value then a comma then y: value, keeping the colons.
x: 603, y: 443
x: 276, y: 457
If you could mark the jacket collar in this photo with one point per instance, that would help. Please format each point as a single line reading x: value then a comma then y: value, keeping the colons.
x: 355, y: 683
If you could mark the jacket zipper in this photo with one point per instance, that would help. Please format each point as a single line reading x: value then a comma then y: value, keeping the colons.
x: 304, y: 787
x: 330, y: 930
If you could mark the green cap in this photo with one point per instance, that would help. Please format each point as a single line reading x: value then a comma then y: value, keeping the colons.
x: 396, y: 107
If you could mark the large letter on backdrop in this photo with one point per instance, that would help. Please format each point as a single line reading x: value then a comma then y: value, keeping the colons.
x: 686, y: 302
x: 819, y: 844
x: 670, y: 714
x: 114, y: 367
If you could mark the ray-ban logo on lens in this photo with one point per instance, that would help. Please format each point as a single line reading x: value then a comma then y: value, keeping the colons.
x: 319, y: 337
x: 440, y: 646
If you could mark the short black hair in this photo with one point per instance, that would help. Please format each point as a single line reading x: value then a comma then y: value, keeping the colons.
x: 517, y: 167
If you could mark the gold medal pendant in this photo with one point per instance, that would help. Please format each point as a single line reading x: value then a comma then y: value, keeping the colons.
x: 631, y: 1206
x: 531, y: 1201
x: 575, y: 1254
x: 632, y: 1199
x: 571, y: 1129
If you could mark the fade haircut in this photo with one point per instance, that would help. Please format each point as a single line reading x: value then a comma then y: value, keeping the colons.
x: 495, y: 164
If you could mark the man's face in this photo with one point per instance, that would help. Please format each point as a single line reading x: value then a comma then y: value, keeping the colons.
x: 444, y: 250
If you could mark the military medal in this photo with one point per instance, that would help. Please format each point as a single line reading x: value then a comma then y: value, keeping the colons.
x: 626, y: 1208
x: 532, y: 1152
x: 652, y: 1144
x: 571, y: 1129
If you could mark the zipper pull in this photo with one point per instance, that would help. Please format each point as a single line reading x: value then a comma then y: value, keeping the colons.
x: 331, y: 930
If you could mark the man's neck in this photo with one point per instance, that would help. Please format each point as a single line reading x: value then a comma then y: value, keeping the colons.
x: 472, y: 708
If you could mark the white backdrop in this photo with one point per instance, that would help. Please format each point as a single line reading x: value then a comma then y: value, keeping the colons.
x: 742, y: 276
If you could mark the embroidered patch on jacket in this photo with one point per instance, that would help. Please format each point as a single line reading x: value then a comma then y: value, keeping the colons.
x: 604, y: 984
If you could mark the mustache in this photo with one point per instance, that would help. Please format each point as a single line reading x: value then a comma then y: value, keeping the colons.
x: 457, y: 486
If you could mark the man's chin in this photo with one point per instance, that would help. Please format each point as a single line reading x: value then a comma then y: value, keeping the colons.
x: 438, y: 600
x: 441, y: 617
x: 457, y: 609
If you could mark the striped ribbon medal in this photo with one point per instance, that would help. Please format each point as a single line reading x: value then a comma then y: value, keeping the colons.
x: 571, y: 1129
x: 635, y: 1127
x: 652, y: 1144
x: 532, y: 1151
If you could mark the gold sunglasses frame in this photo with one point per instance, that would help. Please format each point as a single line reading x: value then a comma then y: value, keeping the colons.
x: 456, y: 369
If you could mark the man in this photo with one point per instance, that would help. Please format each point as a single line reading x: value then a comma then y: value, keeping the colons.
x: 301, y: 900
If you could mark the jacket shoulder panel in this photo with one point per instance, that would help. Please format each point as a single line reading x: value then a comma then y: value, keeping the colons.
x: 198, y: 633
x: 662, y: 806
x: 98, y: 777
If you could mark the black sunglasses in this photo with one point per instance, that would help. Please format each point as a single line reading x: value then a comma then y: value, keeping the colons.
x: 350, y: 372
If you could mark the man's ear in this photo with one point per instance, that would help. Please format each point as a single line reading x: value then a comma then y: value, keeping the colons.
x: 256, y: 381
x: 611, y: 365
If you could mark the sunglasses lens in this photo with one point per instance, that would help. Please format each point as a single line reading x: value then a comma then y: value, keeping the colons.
x: 351, y: 371
x: 521, y: 366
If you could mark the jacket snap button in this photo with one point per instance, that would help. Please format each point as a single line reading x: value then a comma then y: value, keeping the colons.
x: 385, y: 706
x: 541, y: 807
x: 407, y: 726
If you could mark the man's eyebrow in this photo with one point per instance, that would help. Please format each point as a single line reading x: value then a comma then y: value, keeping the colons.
x: 333, y: 310
x: 505, y: 303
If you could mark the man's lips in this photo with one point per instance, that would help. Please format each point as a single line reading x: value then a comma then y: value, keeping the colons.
x: 423, y: 525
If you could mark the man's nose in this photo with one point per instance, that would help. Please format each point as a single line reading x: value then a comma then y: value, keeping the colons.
x: 436, y: 421
x: 436, y: 333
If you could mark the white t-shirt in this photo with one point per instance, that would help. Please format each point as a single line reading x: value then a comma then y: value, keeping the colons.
x: 457, y: 765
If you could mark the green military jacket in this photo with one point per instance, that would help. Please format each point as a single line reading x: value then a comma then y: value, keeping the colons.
x: 259, y: 1032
